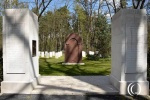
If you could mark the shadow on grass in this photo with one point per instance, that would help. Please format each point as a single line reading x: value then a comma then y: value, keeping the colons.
x: 56, y: 68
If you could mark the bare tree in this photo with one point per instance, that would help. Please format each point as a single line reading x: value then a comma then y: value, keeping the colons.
x: 41, y: 6
x: 108, y: 8
x: 138, y: 4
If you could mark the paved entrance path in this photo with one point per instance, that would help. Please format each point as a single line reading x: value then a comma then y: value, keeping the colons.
x: 74, y: 85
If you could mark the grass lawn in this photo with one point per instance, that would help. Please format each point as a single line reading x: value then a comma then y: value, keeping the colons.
x: 54, y: 67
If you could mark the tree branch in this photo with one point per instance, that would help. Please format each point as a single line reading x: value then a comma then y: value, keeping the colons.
x: 114, y: 6
x: 43, y: 9
x: 43, y: 3
x: 138, y: 4
x: 142, y: 5
x: 121, y: 5
x: 133, y: 3
x: 108, y: 9
x: 99, y: 7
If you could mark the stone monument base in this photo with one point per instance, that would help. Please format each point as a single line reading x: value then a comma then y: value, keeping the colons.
x: 19, y: 87
x: 73, y: 63
x: 127, y: 87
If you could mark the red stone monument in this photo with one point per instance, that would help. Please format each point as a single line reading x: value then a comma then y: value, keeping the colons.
x: 73, y: 49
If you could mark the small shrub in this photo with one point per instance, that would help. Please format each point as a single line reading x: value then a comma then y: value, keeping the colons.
x: 93, y: 57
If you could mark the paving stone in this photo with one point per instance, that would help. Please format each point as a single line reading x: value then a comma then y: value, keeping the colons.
x: 74, y: 85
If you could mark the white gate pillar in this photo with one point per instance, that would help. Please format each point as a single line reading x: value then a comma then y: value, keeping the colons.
x: 20, y: 51
x: 129, y: 52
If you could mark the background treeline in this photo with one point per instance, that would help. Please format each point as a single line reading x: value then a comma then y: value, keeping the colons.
x: 55, y: 27
x: 88, y: 18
